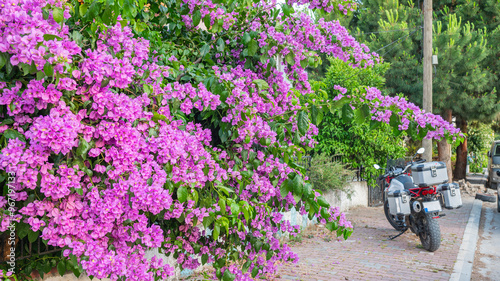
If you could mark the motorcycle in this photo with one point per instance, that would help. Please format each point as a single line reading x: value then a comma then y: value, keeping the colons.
x: 413, y: 198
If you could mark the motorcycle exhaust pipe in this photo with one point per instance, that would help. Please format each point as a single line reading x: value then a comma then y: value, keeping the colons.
x: 417, y: 206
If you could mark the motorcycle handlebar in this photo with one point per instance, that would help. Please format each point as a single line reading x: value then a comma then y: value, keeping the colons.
x: 392, y: 172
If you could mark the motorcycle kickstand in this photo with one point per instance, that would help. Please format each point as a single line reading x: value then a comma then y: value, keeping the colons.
x: 402, y: 231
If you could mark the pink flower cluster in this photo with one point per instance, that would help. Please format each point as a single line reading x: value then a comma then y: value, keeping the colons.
x: 326, y: 5
x: 407, y: 111
x: 57, y: 131
x: 128, y: 159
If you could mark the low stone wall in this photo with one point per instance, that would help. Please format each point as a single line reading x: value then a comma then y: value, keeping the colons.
x: 337, y: 198
x: 358, y: 198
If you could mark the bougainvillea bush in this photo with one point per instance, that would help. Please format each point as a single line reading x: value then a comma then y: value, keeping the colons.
x: 134, y: 125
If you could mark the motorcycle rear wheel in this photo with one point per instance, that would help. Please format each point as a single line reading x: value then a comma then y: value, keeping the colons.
x: 391, y: 218
x: 430, y: 233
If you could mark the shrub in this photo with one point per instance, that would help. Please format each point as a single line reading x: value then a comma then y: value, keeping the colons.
x: 326, y: 174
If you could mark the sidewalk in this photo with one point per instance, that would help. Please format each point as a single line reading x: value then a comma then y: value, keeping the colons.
x: 368, y: 255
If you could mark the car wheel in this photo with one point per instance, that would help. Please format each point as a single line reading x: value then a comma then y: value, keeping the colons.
x: 498, y: 199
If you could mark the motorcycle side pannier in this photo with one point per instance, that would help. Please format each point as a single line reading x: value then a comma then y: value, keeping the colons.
x: 399, y: 202
x: 451, y: 196
x: 428, y: 174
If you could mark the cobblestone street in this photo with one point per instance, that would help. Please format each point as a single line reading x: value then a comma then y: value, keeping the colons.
x: 369, y: 255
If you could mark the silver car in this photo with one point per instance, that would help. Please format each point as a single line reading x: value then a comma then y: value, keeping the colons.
x: 494, y: 165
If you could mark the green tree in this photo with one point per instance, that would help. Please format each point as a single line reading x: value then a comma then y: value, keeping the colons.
x: 360, y: 144
x: 466, y: 40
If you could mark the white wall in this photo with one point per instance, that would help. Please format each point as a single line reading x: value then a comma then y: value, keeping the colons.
x: 336, y: 199
x: 358, y: 198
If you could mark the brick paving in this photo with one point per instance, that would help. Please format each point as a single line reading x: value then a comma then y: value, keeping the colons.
x: 369, y: 255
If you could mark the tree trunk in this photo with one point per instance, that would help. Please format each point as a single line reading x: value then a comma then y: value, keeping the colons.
x: 461, y: 165
x: 444, y: 148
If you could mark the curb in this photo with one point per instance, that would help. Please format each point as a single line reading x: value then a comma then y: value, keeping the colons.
x: 462, y: 270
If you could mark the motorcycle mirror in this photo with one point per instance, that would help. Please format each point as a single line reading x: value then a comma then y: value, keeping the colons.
x: 421, y: 150
x: 376, y: 166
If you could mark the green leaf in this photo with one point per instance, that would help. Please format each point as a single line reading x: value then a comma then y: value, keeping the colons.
x: 347, y: 113
x: 394, y: 120
x: 332, y: 226
x: 83, y: 148
x: 157, y: 116
x: 13, y: 134
x: 422, y: 132
x: 49, y: 37
x: 222, y: 205
x: 253, y: 46
x: 307, y: 190
x: 303, y: 63
x: 196, y: 18
x: 216, y: 231
x: 206, y: 20
x: 258, y: 245
x: 184, y: 9
x: 361, y: 114
x: 148, y: 89
x: 286, y: 9
x: 58, y: 14
x: 48, y: 69
x: 182, y: 194
x: 79, y: 191
x: 255, y: 271
x: 22, y: 230
x: 261, y: 84
x: 347, y: 233
x: 225, y: 189
x: 3, y: 59
x: 246, y: 38
x: 32, y: 235
x: 228, y: 276
x: 7, y: 121
x: 107, y: 17
x: 324, y: 213
x: 204, y: 258
x: 396, y: 132
x: 323, y: 203
x: 314, y: 114
x: 302, y: 122
x: 220, y: 45
x: 269, y: 255
x: 204, y: 50
x: 290, y: 58
x: 246, y: 265
x: 320, y: 117
x: 284, y: 190
x: 40, y: 75
x: 207, y: 221
x: 246, y: 214
x: 61, y: 267
x: 412, y: 130
x: 297, y: 185
x: 46, y: 266
x: 83, y: 9
x: 235, y: 208
x: 215, y: 27
x: 374, y: 124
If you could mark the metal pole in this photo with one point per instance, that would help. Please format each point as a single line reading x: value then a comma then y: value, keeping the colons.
x: 427, y: 98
